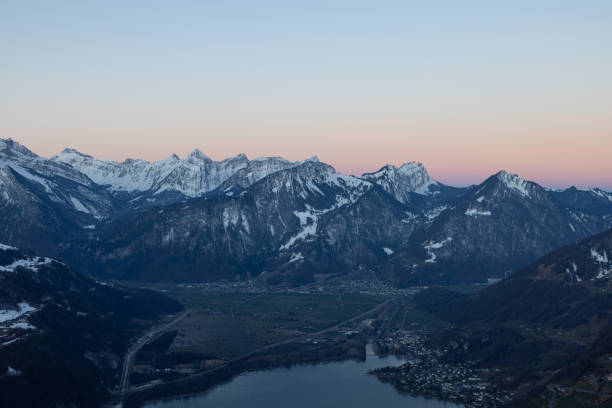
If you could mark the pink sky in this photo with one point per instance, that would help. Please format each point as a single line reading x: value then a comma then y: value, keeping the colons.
x: 557, y: 157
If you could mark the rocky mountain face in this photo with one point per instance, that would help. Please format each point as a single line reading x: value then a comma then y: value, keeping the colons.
x: 63, y: 335
x: 139, y: 183
x: 591, y: 201
x: 499, y: 225
x: 43, y: 203
x: 303, y: 220
x: 195, y: 219
x: 401, y: 181
x: 411, y: 183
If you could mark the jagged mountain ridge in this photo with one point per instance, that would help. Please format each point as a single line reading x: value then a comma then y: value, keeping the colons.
x: 141, y: 183
x: 60, y: 183
x: 411, y: 183
x: 409, y: 177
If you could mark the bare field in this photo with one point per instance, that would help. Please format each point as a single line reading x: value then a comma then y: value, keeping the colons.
x: 228, y: 325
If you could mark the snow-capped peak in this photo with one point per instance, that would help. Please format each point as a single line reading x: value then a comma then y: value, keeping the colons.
x: 192, y: 176
x: 411, y: 177
x: 29, y: 165
x: 197, y: 154
x: 11, y: 148
x: 412, y: 167
x: 70, y: 151
x: 514, y: 182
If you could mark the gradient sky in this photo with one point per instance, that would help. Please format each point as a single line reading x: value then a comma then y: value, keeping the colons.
x: 466, y: 87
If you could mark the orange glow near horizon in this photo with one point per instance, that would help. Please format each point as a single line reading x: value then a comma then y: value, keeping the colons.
x: 555, y: 158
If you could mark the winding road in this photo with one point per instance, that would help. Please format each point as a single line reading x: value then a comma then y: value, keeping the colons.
x: 133, y: 350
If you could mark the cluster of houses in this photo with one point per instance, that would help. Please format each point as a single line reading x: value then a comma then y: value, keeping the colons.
x: 425, y: 374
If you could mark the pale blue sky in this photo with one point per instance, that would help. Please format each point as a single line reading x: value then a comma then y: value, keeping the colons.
x: 468, y: 85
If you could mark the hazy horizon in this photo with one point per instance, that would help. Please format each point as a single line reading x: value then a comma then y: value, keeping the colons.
x: 251, y: 157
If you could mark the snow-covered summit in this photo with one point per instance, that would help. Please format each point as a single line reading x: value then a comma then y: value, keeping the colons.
x: 31, y: 166
x: 197, y: 154
x: 11, y: 148
x: 411, y: 177
x: 192, y: 176
x: 514, y: 182
x: 131, y: 175
x: 71, y: 151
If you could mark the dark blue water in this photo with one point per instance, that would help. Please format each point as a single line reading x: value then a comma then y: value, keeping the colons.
x: 332, y: 385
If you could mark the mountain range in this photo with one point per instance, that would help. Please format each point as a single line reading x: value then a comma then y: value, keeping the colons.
x: 282, y: 222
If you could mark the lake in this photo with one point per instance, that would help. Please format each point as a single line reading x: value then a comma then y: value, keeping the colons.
x: 332, y: 385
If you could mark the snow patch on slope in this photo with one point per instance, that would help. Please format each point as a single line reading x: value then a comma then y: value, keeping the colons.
x: 435, y: 245
x: 599, y: 257
x: 474, y: 212
x: 296, y: 257
x: 23, y: 308
x: 29, y: 263
x: 79, y: 205
x: 435, y: 212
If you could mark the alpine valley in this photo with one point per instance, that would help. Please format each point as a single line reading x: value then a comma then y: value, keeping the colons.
x: 127, y: 283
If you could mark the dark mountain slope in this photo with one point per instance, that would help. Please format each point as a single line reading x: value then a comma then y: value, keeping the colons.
x: 568, y: 287
x: 63, y: 335
x: 297, y: 220
x: 544, y: 318
x: 500, y: 226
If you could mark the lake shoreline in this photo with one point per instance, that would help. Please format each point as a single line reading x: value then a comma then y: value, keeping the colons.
x: 204, y: 383
x: 323, y: 379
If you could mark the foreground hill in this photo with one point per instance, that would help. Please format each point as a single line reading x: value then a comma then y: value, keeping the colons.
x: 538, y: 325
x: 63, y: 335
